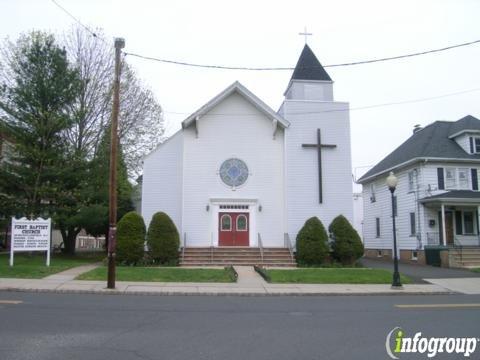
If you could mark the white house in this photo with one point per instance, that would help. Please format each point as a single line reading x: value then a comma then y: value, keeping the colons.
x: 437, y: 198
x: 238, y: 171
x: 358, y: 213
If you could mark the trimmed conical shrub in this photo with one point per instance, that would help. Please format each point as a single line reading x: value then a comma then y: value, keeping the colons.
x: 347, y: 246
x: 163, y: 240
x: 130, y: 238
x: 312, y: 247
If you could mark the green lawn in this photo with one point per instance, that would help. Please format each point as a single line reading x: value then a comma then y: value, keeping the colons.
x: 33, y: 266
x: 476, y: 270
x: 162, y: 274
x: 333, y: 276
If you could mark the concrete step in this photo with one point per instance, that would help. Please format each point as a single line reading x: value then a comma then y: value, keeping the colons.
x: 242, y: 264
x: 222, y: 256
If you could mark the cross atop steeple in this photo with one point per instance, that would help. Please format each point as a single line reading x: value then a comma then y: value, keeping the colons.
x: 305, y: 33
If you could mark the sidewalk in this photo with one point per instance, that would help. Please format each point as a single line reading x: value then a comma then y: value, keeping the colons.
x: 249, y: 284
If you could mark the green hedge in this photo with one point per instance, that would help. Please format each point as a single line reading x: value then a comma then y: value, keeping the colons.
x: 130, y: 238
x: 163, y: 240
x: 347, y: 246
x: 312, y: 243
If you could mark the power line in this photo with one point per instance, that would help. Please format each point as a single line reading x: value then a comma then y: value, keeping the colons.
x: 351, y: 109
x: 223, y: 67
x: 93, y: 33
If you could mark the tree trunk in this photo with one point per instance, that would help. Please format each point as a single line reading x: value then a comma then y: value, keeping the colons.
x: 69, y: 237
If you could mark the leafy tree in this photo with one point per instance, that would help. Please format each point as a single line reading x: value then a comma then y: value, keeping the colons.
x: 130, y: 238
x: 312, y: 247
x: 347, y: 246
x: 163, y: 239
x: 37, y: 87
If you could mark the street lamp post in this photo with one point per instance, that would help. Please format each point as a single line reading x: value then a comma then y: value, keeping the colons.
x: 392, y: 182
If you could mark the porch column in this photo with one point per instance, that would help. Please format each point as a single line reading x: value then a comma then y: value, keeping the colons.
x: 444, y: 232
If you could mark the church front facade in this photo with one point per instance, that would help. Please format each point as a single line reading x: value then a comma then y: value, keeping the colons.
x: 238, y: 172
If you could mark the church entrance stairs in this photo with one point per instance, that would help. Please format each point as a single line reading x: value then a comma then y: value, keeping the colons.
x: 223, y: 256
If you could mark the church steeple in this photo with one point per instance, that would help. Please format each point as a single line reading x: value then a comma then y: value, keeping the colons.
x: 309, y: 80
x: 309, y: 68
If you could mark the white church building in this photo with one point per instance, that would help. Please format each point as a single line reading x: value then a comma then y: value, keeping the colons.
x: 238, y: 171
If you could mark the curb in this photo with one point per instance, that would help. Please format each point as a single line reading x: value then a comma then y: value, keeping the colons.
x: 206, y: 293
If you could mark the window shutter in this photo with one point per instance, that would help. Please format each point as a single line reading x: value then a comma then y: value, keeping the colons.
x: 471, y: 145
x: 458, y: 222
x: 441, y: 181
x: 474, y: 179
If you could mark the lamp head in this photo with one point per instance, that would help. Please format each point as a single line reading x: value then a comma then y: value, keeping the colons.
x: 392, y: 181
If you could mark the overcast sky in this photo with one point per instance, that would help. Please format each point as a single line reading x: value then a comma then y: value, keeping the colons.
x: 265, y: 34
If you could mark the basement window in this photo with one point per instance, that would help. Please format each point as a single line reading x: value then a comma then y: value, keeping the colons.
x: 414, y: 255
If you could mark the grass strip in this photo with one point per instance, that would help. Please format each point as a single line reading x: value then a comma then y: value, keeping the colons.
x: 333, y: 276
x: 162, y: 274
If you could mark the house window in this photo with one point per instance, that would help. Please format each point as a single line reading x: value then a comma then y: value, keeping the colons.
x: 377, y: 227
x: 372, y: 193
x: 414, y: 255
x: 477, y: 145
x: 450, y: 178
x: 468, y: 222
x: 463, y: 178
x: 413, y: 229
x: 411, y: 181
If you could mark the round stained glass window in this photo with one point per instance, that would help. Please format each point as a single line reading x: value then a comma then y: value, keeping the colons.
x: 234, y: 172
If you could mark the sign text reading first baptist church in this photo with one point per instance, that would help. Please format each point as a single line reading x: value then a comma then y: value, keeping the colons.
x: 30, y: 235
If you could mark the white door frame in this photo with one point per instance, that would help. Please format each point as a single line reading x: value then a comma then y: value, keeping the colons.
x: 215, y: 204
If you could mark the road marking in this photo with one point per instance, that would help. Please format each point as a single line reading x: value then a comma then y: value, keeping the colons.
x: 10, y: 302
x: 437, y: 306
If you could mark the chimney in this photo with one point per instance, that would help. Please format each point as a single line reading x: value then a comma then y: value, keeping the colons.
x: 417, y: 128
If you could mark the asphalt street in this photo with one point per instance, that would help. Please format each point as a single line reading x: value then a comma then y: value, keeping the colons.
x: 81, y: 326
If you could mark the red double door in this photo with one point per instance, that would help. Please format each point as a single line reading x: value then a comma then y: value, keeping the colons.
x: 233, y: 229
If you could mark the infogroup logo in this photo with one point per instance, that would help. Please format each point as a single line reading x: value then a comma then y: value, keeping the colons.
x: 397, y: 343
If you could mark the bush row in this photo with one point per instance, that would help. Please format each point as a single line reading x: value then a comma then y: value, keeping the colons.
x: 313, y: 242
x: 162, y: 240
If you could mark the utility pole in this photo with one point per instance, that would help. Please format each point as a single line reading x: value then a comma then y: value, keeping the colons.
x: 112, y: 215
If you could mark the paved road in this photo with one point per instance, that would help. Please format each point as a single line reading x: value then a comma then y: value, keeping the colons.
x: 69, y: 326
x: 420, y: 272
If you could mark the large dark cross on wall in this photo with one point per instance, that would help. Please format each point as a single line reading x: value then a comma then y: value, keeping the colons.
x: 319, y: 147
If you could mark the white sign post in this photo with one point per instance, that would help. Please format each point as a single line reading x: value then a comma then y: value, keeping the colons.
x: 30, y: 235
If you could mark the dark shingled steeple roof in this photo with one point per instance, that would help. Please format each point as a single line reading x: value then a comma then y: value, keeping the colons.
x: 430, y: 142
x: 309, y: 68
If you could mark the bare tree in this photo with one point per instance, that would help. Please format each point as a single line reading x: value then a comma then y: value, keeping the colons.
x: 141, y: 125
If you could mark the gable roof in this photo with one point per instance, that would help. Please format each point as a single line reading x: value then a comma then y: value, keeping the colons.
x: 238, y: 88
x: 309, y: 68
x: 465, y: 124
x: 432, y: 142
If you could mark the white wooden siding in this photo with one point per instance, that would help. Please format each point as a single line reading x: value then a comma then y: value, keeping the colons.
x: 234, y: 128
x: 162, y: 181
x: 464, y: 142
x: 301, y: 163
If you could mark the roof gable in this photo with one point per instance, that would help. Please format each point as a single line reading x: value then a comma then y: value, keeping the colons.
x: 432, y: 142
x: 238, y: 88
x: 465, y: 124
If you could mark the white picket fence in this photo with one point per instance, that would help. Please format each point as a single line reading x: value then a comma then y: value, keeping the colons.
x: 90, y: 243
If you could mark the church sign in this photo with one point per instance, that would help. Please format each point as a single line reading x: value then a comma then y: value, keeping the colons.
x: 30, y: 235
